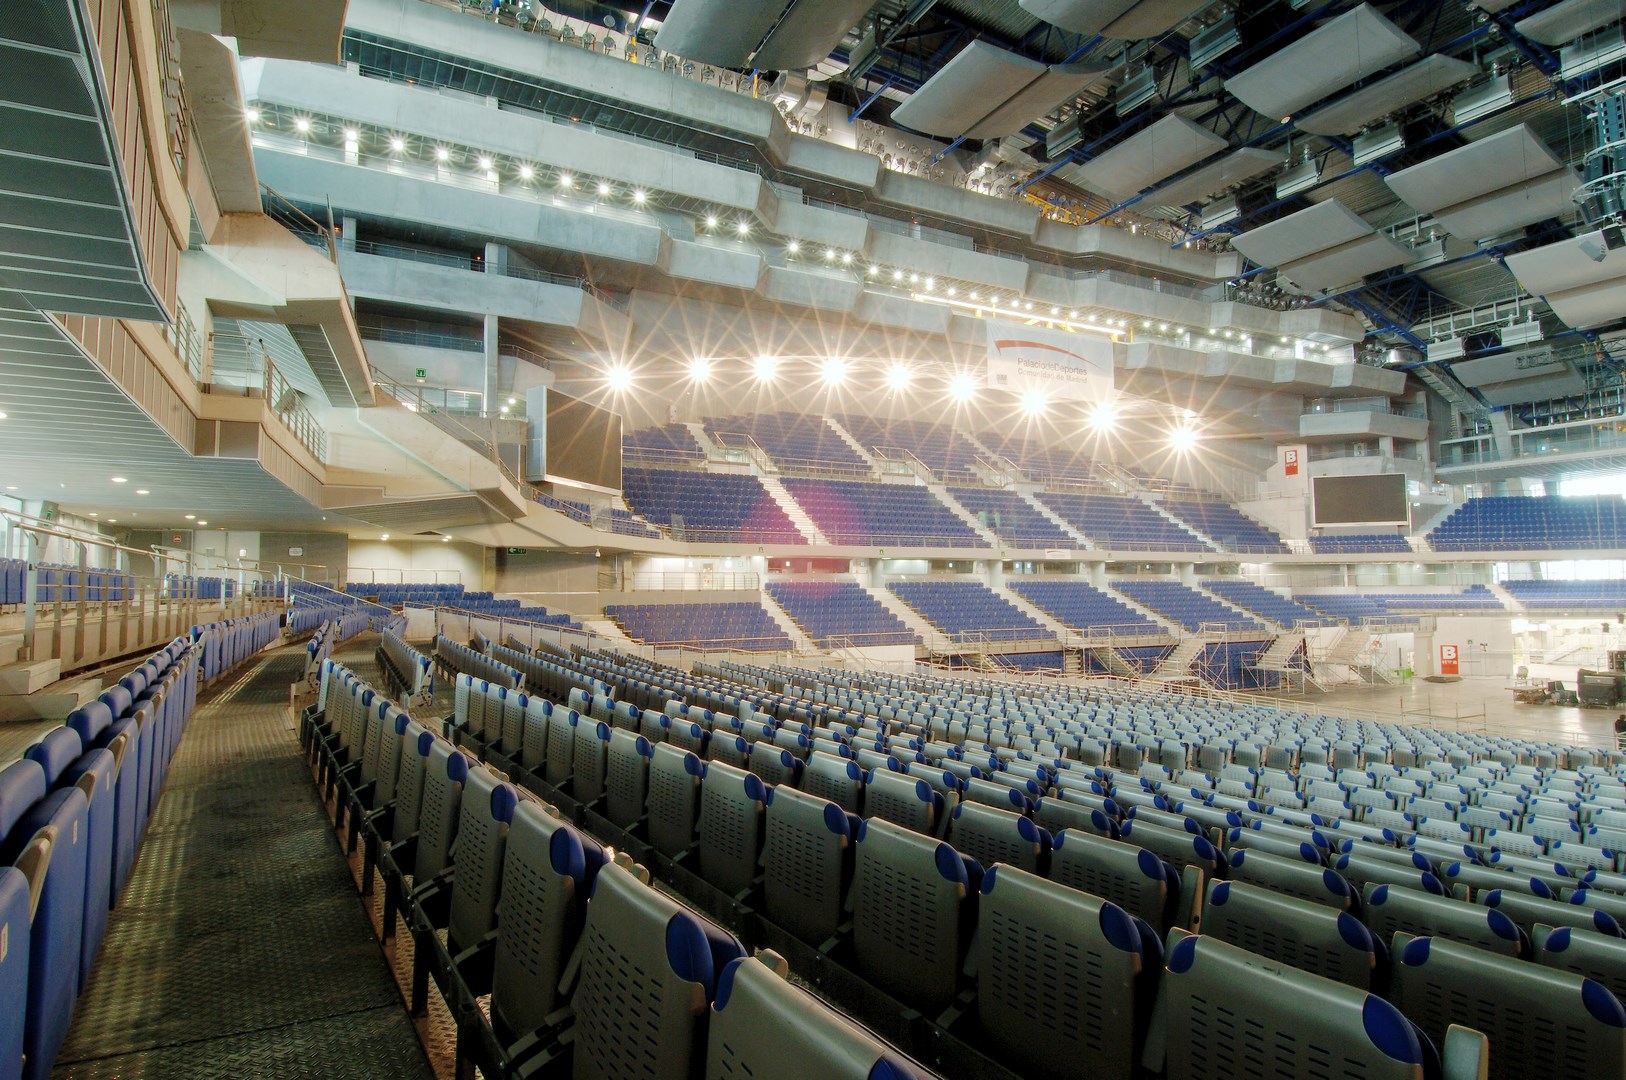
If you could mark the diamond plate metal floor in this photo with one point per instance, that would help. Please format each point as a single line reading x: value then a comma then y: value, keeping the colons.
x: 240, y: 947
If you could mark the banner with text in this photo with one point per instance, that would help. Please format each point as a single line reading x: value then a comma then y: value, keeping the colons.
x: 1059, y: 365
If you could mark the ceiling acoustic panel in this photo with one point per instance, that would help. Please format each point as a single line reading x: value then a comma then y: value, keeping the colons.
x: 1346, y: 263
x: 1490, y: 187
x: 1295, y: 236
x: 721, y: 32
x: 808, y: 33
x: 1171, y: 144
x: 1423, y: 79
x: 1565, y: 22
x: 1356, y: 44
x: 1581, y: 290
x: 987, y: 91
x: 1220, y: 175
x: 1123, y: 20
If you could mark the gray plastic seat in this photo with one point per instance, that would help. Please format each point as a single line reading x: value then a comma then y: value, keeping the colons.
x: 1527, y: 911
x: 1541, y: 1021
x: 1390, y: 910
x: 511, y: 734
x: 561, y: 752
x: 1362, y: 867
x: 674, y: 798
x: 902, y: 800
x: 837, y: 779
x: 1601, y: 959
x: 484, y: 815
x: 1057, y: 975
x: 774, y: 765
x: 1178, y: 849
x: 1310, y: 937
x: 1057, y: 814
x: 445, y: 770
x: 590, y: 752
x: 1233, y: 1013
x: 533, y: 751
x: 805, y: 863
x: 765, y: 1028
x: 1292, y: 877
x: 998, y: 836
x: 731, y: 805
x: 906, y: 902
x: 414, y: 744
x: 1133, y: 878
x: 647, y: 974
x: 548, y: 871
x: 626, y: 777
x: 728, y: 748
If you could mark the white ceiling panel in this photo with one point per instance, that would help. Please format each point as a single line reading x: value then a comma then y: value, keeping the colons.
x: 1217, y: 176
x: 808, y: 33
x: 1508, y: 157
x: 1079, y: 16
x: 1581, y: 291
x: 1171, y: 144
x: 1346, y: 263
x: 1042, y: 95
x: 722, y: 32
x: 1322, y: 226
x: 1590, y: 305
x: 1567, y: 21
x: 1356, y: 44
x: 1354, y: 111
x: 1511, y: 208
x: 967, y: 89
x: 1150, y: 18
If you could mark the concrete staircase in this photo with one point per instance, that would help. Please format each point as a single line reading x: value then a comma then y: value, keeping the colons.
x: 1153, y: 614
x: 799, y: 639
x: 1176, y: 667
x: 1056, y: 519
x: 1037, y: 614
x: 988, y: 536
x: 698, y: 430
x: 1507, y: 599
x: 1238, y: 608
x: 932, y: 636
x: 607, y: 629
x: 856, y: 446
x: 794, y: 511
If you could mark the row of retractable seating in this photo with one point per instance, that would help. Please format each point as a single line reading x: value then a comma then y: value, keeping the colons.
x: 1608, y: 594
x: 1013, y: 519
x: 13, y: 582
x: 73, y: 811
x: 860, y: 512
x: 912, y: 897
x: 937, y: 446
x: 1039, y: 459
x: 791, y: 439
x: 1120, y: 522
x: 1469, y: 599
x: 1348, y: 607
x: 224, y: 645
x: 396, y: 593
x: 837, y: 614
x: 308, y: 617
x: 1532, y: 523
x: 969, y: 610
x: 1084, y: 607
x: 719, y: 507
x: 199, y: 588
x: 1185, y: 606
x: 1228, y: 527
x: 61, y: 584
x: 1265, y: 603
x: 736, y: 625
x: 1359, y: 544
x: 582, y: 969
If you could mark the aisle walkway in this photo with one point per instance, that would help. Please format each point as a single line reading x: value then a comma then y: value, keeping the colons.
x: 240, y: 948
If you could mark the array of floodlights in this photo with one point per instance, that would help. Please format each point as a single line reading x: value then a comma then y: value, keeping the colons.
x: 961, y: 387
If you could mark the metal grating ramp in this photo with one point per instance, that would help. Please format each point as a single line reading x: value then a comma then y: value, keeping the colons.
x: 239, y: 948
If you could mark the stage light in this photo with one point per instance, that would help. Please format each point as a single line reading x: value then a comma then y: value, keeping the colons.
x: 1103, y: 416
x: 963, y: 387
x: 766, y: 367
x: 1183, y: 439
x: 834, y: 371
x: 1034, y: 403
x: 618, y: 379
x: 898, y: 377
x: 700, y: 370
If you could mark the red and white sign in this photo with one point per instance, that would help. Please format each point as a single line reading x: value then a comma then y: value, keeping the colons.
x: 1448, y: 660
x: 1290, y: 462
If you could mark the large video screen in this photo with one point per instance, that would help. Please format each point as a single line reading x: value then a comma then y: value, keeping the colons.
x: 582, y: 443
x: 1359, y: 500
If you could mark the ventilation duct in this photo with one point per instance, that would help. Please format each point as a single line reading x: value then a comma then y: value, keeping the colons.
x: 1379, y: 143
x: 1214, y: 42
x: 1480, y: 101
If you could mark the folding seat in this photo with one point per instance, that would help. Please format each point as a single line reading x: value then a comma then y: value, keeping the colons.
x: 626, y: 780
x: 906, y: 902
x: 510, y: 734
x: 834, y: 778
x: 731, y: 806
x: 1364, y: 865
x: 805, y: 863
x: 1310, y: 937
x: 675, y: 777
x: 1303, y: 844
x: 1541, y: 1021
x: 774, y: 764
x: 903, y: 800
x: 533, y: 752
x: 560, y: 758
x: 15, y: 916
x: 1053, y: 815
x: 1228, y: 1009
x: 589, y: 751
x: 44, y: 833
x: 485, y: 814
x: 1089, y: 957
x: 1133, y: 878
x: 1593, y: 956
x: 96, y: 774
x: 1292, y: 877
x: 1389, y: 909
x: 998, y: 836
x: 1527, y: 911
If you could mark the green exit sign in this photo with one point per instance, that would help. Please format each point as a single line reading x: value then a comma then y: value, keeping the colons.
x: 423, y: 374
x: 517, y: 551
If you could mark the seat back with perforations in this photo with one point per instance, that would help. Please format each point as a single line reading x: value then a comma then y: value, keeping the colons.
x: 805, y: 862
x: 1310, y: 937
x: 906, y: 898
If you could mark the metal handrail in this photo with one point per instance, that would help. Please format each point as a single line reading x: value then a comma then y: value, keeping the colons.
x: 449, y: 424
x: 282, y: 210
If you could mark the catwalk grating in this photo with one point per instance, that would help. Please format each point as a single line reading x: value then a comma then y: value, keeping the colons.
x: 239, y: 948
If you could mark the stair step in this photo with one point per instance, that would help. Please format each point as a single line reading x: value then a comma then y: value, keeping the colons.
x: 10, y: 648
x: 28, y: 676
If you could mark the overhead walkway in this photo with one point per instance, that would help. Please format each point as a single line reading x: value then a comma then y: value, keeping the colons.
x: 238, y: 948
